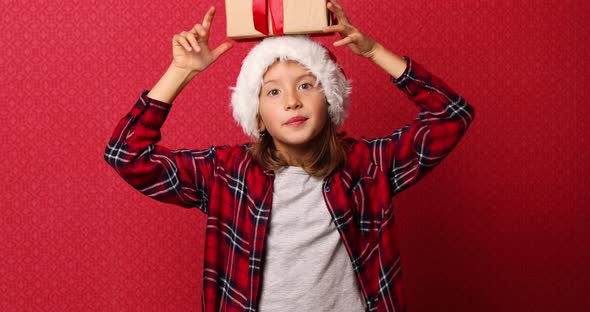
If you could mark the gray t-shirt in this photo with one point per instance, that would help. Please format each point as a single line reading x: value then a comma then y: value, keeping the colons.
x: 306, y: 266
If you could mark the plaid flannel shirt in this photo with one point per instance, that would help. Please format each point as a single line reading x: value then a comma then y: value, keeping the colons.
x: 236, y: 193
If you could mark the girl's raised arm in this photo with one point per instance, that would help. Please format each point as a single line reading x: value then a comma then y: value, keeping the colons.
x: 412, y: 151
x: 175, y: 176
x: 191, y: 55
x: 361, y: 44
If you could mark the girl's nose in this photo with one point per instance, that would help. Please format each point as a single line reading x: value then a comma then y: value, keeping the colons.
x: 292, y: 101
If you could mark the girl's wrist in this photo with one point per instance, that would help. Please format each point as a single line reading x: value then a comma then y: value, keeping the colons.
x: 183, y: 73
x: 171, y: 84
x: 373, y: 53
x: 392, y: 63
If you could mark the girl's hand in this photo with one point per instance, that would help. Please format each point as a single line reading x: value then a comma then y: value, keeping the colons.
x: 358, y: 42
x: 190, y: 49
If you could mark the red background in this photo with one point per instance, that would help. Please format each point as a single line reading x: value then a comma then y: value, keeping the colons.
x: 500, y: 225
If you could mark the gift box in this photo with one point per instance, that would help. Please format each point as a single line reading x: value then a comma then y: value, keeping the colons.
x: 261, y: 18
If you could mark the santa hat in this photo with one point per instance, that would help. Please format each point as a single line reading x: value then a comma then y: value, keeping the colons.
x: 302, y: 49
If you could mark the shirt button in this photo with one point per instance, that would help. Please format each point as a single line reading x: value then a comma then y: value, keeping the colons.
x: 327, y: 188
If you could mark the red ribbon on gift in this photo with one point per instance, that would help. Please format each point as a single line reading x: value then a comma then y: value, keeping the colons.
x: 261, y: 20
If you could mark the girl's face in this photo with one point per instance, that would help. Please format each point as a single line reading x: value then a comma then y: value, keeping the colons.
x: 292, y: 108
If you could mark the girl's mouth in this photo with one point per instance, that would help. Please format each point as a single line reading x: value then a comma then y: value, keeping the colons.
x: 296, y: 121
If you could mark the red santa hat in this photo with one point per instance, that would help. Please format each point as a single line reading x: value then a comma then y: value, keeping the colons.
x: 301, y: 49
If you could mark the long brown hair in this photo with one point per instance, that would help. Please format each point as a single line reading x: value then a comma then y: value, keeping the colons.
x: 326, y: 158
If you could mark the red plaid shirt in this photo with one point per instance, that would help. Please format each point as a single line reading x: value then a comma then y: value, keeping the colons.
x: 236, y: 194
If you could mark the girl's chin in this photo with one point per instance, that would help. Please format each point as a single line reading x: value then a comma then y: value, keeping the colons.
x: 302, y: 142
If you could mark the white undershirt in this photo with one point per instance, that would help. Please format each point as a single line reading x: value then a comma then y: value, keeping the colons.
x: 306, y: 266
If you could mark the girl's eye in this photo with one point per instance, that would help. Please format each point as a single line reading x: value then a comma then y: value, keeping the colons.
x: 273, y: 92
x: 306, y: 86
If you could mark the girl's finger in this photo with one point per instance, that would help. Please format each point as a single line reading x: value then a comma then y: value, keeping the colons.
x: 193, y: 41
x: 222, y: 48
x: 335, y: 28
x: 335, y: 8
x: 183, y: 42
x: 199, y: 30
x: 343, y: 41
x: 208, y: 18
x: 335, y: 2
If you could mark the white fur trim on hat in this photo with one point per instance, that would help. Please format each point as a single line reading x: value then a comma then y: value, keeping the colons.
x: 302, y: 49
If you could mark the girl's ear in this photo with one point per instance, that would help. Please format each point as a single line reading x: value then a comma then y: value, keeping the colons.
x: 261, y: 126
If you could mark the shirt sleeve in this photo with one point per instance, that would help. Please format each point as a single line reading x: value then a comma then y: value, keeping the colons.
x: 413, y: 150
x: 177, y: 177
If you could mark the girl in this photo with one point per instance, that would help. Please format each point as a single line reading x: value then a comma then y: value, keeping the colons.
x: 300, y: 219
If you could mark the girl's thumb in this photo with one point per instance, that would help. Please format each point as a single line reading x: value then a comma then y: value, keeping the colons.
x: 222, y: 48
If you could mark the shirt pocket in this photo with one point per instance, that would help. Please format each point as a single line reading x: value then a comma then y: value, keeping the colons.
x: 369, y: 198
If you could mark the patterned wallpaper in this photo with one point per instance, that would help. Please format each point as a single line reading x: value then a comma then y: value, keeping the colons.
x: 499, y: 226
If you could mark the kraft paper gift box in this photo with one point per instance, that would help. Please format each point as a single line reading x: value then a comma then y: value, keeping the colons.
x: 261, y: 18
